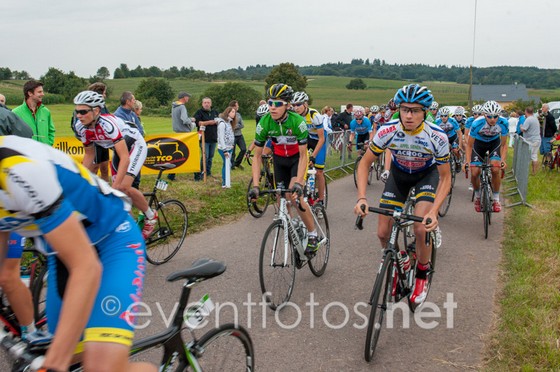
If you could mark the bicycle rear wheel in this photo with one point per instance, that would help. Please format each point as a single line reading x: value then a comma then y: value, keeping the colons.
x: 379, y: 165
x: 39, y: 294
x: 318, y: 263
x: 356, y: 164
x: 258, y: 207
x: 380, y: 299
x: 277, y: 266
x: 226, y: 348
x: 170, y: 232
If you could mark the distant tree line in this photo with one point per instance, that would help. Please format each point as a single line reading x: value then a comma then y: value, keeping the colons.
x: 7, y: 74
x: 532, y: 77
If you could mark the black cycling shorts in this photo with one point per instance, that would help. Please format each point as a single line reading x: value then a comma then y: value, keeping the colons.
x: 399, y: 184
x: 101, y: 155
x: 285, y: 169
x: 480, y: 148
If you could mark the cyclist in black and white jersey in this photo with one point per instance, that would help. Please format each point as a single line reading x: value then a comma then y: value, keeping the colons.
x: 420, y: 159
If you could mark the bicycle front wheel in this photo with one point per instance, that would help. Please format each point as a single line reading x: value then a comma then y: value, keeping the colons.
x: 446, y: 203
x: 258, y: 207
x: 226, y: 348
x: 485, y: 206
x: 380, y: 299
x: 277, y: 266
x: 169, y: 234
x: 318, y: 263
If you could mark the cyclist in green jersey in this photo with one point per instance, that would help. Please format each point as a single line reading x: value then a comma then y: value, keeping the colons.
x: 288, y: 132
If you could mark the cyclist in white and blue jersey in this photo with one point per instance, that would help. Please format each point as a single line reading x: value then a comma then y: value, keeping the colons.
x: 316, y: 138
x: 452, y: 128
x: 94, y: 251
x: 476, y: 112
x: 361, y: 129
x: 489, y: 133
x: 420, y: 159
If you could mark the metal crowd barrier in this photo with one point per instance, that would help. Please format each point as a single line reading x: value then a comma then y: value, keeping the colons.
x: 338, y: 156
x: 519, y: 173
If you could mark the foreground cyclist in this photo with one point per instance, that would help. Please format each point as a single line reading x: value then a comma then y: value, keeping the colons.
x: 488, y: 133
x: 424, y: 167
x: 129, y: 149
x: 94, y: 250
x: 288, y: 132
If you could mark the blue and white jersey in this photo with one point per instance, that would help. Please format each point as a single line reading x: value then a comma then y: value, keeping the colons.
x: 361, y: 128
x: 40, y: 187
x: 314, y: 121
x: 469, y: 122
x: 412, y: 151
x: 482, y: 131
x: 450, y: 127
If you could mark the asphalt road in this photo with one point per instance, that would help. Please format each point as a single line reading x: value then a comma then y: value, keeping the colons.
x: 324, y: 326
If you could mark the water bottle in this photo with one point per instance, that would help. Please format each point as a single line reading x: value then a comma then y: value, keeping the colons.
x: 404, y: 260
x: 140, y: 220
x: 311, y: 180
x: 302, y: 230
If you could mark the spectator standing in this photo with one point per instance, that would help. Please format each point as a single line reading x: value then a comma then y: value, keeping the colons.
x: 549, y: 129
x: 125, y: 112
x: 180, y: 120
x: 137, y: 108
x: 3, y: 101
x: 205, y: 119
x: 10, y: 123
x: 35, y: 114
x: 512, y: 126
x: 239, y: 139
x: 344, y: 119
x: 531, y: 132
x: 227, y: 122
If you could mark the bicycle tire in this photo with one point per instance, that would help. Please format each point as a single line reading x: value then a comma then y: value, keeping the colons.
x: 383, y: 286
x: 258, y: 208
x: 484, y: 200
x: 226, y: 348
x: 356, y: 163
x: 319, y: 262
x: 379, y: 165
x: 370, y: 174
x: 39, y: 294
x: 271, y: 261
x: 170, y: 232
x: 326, y: 198
x: 430, y: 275
x: 446, y: 203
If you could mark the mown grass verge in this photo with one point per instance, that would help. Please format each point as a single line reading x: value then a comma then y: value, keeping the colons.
x: 526, y: 335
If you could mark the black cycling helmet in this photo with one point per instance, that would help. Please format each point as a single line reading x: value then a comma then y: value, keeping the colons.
x: 280, y: 91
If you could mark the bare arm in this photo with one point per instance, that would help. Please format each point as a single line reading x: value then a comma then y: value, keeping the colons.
x: 74, y: 249
x: 89, y: 157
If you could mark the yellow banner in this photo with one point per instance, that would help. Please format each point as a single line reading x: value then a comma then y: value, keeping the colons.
x: 181, y: 149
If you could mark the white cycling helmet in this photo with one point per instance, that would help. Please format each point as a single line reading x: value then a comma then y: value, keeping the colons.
x: 300, y: 97
x: 444, y: 111
x: 434, y: 105
x: 374, y: 108
x: 459, y: 111
x: 359, y: 113
x: 89, y: 98
x: 492, y: 108
x: 477, y: 109
x: 262, y: 110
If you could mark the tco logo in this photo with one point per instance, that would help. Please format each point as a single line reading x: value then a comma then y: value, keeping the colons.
x: 166, y: 150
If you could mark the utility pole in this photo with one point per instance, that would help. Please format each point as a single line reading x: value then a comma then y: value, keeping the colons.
x: 472, y: 63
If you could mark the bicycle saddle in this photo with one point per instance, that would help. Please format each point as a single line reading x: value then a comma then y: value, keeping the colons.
x: 201, y: 269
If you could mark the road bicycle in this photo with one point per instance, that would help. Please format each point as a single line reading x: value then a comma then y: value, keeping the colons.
x: 372, y: 168
x: 486, y: 192
x: 283, y: 250
x: 171, y: 227
x: 226, y: 348
x: 266, y: 182
x: 551, y: 159
x: 396, y: 275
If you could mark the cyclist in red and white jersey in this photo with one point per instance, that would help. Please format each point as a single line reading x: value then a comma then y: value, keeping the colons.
x: 129, y: 149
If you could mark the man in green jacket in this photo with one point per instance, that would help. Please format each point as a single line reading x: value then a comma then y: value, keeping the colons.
x: 35, y: 114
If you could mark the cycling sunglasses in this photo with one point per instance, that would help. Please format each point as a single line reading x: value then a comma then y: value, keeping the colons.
x: 492, y: 116
x: 276, y: 103
x: 82, y: 112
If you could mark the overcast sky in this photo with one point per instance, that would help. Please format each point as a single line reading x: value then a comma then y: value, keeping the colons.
x: 81, y: 36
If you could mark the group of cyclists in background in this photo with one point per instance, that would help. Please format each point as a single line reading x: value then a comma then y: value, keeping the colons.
x: 95, y: 248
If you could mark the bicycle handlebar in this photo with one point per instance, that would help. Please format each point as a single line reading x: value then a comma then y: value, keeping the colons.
x: 280, y: 190
x: 387, y: 212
